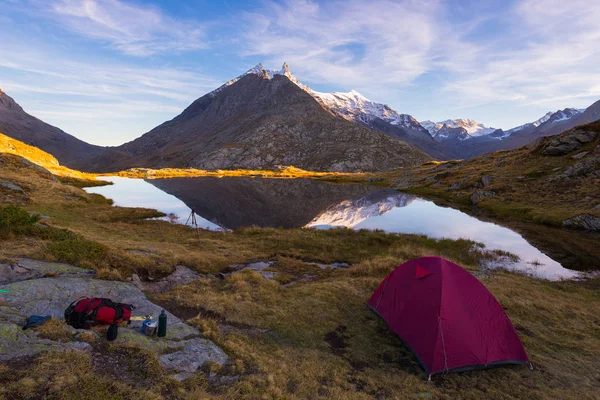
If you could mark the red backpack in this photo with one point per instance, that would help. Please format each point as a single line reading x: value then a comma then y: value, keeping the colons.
x: 95, y: 311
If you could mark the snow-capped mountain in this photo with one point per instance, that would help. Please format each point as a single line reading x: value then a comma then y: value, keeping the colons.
x: 350, y: 213
x: 452, y: 138
x: 356, y: 107
x: 473, y: 128
x: 550, y: 117
x: 352, y: 105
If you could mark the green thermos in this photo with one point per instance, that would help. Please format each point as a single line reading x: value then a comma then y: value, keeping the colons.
x: 162, y: 324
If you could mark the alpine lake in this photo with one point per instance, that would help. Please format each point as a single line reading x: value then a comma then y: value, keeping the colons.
x: 232, y: 202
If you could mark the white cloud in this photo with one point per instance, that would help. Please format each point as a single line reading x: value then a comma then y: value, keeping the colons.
x: 552, y: 56
x: 133, y: 30
x: 539, y: 52
x: 103, y: 103
x: 350, y: 43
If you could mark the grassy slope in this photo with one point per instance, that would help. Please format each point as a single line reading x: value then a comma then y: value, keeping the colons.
x: 521, y: 179
x: 313, y: 339
x: 9, y: 145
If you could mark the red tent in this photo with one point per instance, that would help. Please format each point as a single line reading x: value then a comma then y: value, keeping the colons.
x: 447, y: 317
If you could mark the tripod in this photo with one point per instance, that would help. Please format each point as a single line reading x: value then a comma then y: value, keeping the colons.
x: 194, y: 223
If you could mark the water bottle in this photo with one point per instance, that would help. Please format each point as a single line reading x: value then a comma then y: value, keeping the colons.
x: 162, y: 324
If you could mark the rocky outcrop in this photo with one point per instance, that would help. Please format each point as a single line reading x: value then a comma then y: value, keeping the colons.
x: 181, y: 276
x: 568, y: 143
x: 585, y: 221
x: 39, y: 288
x: 25, y: 269
x: 480, y: 195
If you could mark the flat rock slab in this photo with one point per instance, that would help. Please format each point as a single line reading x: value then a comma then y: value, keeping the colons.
x: 15, y: 342
x: 26, y: 268
x: 52, y: 295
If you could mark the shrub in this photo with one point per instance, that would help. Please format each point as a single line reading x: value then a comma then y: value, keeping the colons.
x: 76, y: 249
x: 14, y: 220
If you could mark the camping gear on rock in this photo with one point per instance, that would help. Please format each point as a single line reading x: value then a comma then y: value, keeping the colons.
x: 151, y: 329
x: 449, y: 319
x: 95, y: 311
x: 145, y: 323
x: 36, y: 320
x: 162, y: 324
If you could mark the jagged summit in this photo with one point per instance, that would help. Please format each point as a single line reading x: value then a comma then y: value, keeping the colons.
x: 259, y: 69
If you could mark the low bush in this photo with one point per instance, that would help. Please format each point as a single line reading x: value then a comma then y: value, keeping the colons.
x: 77, y: 250
x: 16, y: 221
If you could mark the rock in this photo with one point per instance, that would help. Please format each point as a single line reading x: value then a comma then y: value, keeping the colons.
x: 193, y: 354
x: 15, y: 342
x: 584, y: 136
x: 26, y: 269
x: 568, y: 143
x: 459, y: 185
x: 587, y: 167
x: 486, y: 180
x: 259, y: 266
x: 11, y: 186
x: 580, y: 155
x: 584, y: 221
x: 481, y: 194
x: 181, y: 276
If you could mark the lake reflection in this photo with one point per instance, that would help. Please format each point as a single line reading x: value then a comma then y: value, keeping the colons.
x: 237, y: 202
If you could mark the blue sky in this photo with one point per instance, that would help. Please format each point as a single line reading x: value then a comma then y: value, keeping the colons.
x: 108, y: 71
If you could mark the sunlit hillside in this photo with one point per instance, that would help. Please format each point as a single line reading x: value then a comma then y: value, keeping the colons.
x: 39, y: 157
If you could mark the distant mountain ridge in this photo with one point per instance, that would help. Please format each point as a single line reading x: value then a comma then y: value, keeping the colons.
x: 19, y: 125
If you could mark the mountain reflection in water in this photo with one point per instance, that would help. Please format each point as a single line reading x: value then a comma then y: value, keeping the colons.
x: 232, y: 203
x: 238, y: 202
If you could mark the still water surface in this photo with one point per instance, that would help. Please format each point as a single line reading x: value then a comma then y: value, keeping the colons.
x: 229, y: 203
